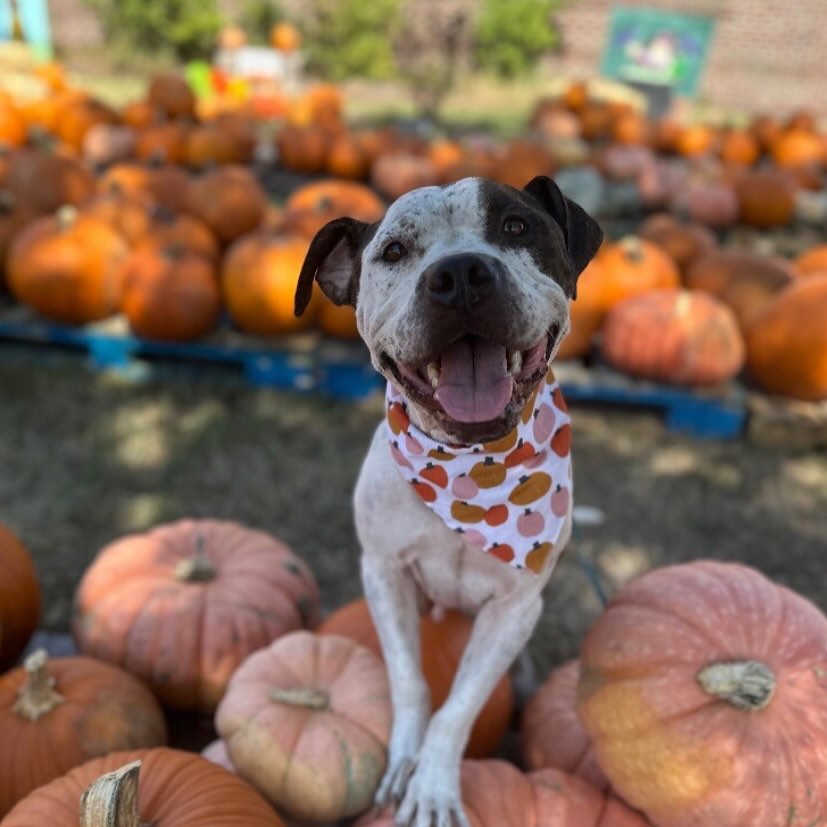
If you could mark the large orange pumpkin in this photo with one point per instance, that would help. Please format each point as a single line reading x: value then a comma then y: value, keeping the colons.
x: 129, y: 214
x: 812, y: 261
x: 551, y: 733
x: 303, y: 148
x: 396, y: 173
x: 43, y: 181
x: 674, y: 336
x: 19, y: 598
x: 13, y: 129
x: 168, y: 184
x: 696, y: 140
x: 766, y: 198
x: 497, y: 794
x: 56, y: 714
x: 744, y: 280
x: 703, y: 687
x: 307, y: 721
x: 586, y: 312
x: 175, y: 789
x: 76, y: 119
x: 166, y: 227
x: 170, y: 293
x: 787, y: 341
x: 797, y: 147
x: 739, y: 147
x: 259, y: 277
x: 229, y: 200
x: 207, y: 145
x: 683, y: 242
x: 632, y: 266
x: 68, y: 267
x: 182, y: 605
x: 171, y: 95
x: 162, y: 142
x: 311, y: 206
x: 442, y: 644
x: 347, y: 159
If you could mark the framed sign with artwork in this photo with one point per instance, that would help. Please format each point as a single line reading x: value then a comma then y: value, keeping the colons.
x: 648, y: 47
x: 26, y: 21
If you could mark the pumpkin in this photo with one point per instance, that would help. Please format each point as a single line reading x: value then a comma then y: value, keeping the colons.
x: 632, y: 129
x: 632, y: 266
x: 787, y: 341
x: 162, y: 142
x: 303, y: 148
x: 690, y: 674
x: 623, y: 163
x: 52, y: 74
x: 396, y: 173
x: 67, y: 267
x: 739, y: 147
x: 521, y: 161
x: 175, y: 789
x: 167, y: 184
x: 166, y: 228
x: 76, y: 119
x: 766, y: 198
x: 307, y: 721
x: 797, y: 147
x: 259, y: 277
x: 674, y: 336
x: 551, y: 733
x: 13, y: 129
x: 285, y: 37
x: 586, y: 313
x: 12, y: 221
x: 442, y: 643
x: 666, y: 135
x: 575, y: 96
x: 170, y: 293
x: 708, y: 202
x: 207, y: 145
x: 182, y: 605
x: 745, y: 281
x: 556, y: 124
x: 60, y: 713
x: 311, y: 206
x: 338, y: 321
x: 595, y: 120
x: 765, y: 129
x: 43, y: 181
x: 19, y: 598
x: 346, y: 159
x: 140, y: 114
x: 129, y: 214
x: 695, y: 140
x: 497, y: 794
x: 812, y: 261
x: 229, y: 200
x: 171, y: 95
x: 106, y: 143
x: 40, y: 115
x: 682, y: 242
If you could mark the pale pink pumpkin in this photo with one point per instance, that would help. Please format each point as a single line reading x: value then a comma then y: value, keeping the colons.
x: 307, y: 722
x: 183, y: 605
x: 216, y: 751
x: 704, y: 688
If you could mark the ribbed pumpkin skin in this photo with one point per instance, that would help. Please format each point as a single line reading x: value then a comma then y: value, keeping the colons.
x: 497, y: 794
x: 586, y: 313
x: 310, y: 207
x: 104, y: 709
x: 315, y: 764
x: 688, y: 758
x: 674, y: 336
x: 787, y: 341
x: 185, y: 638
x: 442, y: 644
x: 551, y: 733
x: 19, y: 598
x: 175, y: 789
x: 812, y: 261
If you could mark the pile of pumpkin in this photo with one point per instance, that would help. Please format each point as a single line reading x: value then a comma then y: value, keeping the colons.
x: 698, y: 698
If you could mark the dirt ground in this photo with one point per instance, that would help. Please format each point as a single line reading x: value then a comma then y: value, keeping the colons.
x: 86, y: 457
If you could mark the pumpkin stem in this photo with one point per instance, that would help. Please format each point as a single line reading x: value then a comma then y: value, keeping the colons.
x: 632, y: 248
x: 316, y: 699
x: 196, y: 569
x: 66, y: 216
x: 112, y: 800
x: 38, y: 696
x: 746, y: 684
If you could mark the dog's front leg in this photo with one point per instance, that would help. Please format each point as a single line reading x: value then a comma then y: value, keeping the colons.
x: 391, y: 594
x: 501, y: 630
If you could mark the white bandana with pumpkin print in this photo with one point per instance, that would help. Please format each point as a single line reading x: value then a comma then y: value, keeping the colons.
x: 510, y: 497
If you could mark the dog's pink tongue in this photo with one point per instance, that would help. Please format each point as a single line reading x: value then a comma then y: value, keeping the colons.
x: 474, y: 382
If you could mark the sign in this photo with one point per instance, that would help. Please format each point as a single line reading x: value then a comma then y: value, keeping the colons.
x: 28, y: 19
x: 655, y: 48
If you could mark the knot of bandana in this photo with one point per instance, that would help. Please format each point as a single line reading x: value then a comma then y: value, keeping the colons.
x: 510, y: 498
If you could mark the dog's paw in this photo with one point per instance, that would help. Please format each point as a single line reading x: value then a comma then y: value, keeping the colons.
x: 432, y: 799
x: 394, y: 782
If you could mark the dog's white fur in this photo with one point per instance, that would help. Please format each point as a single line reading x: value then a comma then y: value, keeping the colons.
x: 407, y: 550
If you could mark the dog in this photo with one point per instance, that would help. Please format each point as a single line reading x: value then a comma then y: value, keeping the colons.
x: 462, y: 297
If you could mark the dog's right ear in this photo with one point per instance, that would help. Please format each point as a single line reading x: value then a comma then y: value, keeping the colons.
x: 333, y: 260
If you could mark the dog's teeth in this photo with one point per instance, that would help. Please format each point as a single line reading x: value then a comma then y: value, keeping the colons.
x: 515, y: 362
x: 433, y: 374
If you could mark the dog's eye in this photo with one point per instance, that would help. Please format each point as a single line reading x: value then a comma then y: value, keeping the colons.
x: 514, y: 226
x: 393, y: 252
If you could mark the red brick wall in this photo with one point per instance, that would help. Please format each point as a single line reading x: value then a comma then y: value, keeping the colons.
x: 764, y: 54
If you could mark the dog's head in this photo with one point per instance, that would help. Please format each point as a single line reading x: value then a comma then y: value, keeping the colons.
x: 461, y: 294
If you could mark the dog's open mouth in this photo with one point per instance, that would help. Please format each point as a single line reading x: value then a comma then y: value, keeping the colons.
x: 474, y: 379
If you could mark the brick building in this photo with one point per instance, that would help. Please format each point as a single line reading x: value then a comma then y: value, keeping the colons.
x: 764, y: 54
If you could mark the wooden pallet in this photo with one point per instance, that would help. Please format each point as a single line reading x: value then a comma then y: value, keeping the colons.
x: 787, y: 423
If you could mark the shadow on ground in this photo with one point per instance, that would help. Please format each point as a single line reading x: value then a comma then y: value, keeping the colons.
x: 87, y: 457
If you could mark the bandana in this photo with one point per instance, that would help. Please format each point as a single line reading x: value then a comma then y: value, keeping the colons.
x: 510, y: 497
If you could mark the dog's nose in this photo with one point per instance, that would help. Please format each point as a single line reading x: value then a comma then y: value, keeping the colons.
x: 460, y: 280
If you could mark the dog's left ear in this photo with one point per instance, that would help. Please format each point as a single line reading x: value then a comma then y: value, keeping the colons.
x: 333, y: 261
x: 581, y: 232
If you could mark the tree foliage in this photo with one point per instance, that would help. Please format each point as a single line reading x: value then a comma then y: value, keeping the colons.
x: 512, y: 34
x: 258, y: 17
x: 184, y: 28
x: 351, y: 38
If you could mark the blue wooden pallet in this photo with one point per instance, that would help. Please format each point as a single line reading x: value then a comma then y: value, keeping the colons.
x: 312, y: 363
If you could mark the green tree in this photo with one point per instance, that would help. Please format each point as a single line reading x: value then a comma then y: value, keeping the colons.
x: 258, y: 17
x: 351, y: 38
x: 185, y: 29
x: 513, y: 34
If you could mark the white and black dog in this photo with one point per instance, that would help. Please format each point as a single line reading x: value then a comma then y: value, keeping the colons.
x: 461, y: 295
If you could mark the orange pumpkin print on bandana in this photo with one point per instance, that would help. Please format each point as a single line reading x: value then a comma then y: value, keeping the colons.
x: 510, y: 497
